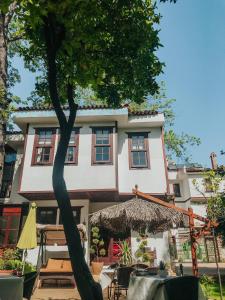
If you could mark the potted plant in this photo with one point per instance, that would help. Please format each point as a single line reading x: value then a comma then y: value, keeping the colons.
x: 125, y: 253
x: 97, y: 250
x: 162, y: 272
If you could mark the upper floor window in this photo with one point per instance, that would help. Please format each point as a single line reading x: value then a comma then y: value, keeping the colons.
x: 72, y: 151
x: 138, y: 150
x: 102, y: 146
x: 208, y: 185
x: 44, y: 143
x: 176, y: 190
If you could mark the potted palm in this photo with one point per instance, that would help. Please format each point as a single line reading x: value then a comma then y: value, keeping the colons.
x: 97, y: 250
x: 125, y: 253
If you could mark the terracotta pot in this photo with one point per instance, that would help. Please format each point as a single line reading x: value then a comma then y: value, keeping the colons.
x: 6, y: 272
x: 97, y: 267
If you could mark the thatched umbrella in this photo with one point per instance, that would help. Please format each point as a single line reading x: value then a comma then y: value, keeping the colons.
x: 137, y: 214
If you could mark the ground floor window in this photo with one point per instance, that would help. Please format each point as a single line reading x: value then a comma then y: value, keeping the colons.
x: 111, y: 245
x: 46, y: 215
x: 9, y: 226
x: 76, y: 214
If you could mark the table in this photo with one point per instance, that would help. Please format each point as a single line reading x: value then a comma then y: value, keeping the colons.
x: 106, y: 277
x: 11, y: 288
x: 150, y: 288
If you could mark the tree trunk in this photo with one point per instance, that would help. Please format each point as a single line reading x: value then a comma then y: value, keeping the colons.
x: 3, y: 91
x: 87, y: 287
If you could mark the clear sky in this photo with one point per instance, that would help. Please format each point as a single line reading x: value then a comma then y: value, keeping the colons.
x: 193, y: 35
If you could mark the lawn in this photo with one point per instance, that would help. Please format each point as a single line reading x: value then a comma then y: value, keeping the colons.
x: 213, y: 291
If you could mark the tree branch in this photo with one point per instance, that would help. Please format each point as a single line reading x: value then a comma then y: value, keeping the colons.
x: 52, y: 71
x: 9, y: 15
x: 72, y: 105
x: 16, y: 38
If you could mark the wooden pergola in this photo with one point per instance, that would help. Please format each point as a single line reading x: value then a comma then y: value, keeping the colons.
x: 195, y: 232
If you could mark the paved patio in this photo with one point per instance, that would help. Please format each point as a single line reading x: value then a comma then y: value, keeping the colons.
x: 60, y: 294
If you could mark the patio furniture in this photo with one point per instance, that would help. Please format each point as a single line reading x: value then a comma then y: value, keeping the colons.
x: 11, y: 288
x: 57, y: 269
x: 121, y: 281
x: 185, y: 288
x: 139, y: 266
x: 157, y: 288
x: 28, y: 284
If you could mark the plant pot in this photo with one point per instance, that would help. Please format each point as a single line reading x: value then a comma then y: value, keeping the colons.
x: 162, y: 273
x: 97, y: 267
x: 6, y: 272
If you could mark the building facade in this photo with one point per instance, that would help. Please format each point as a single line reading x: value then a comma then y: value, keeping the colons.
x: 110, y: 151
x: 188, y: 184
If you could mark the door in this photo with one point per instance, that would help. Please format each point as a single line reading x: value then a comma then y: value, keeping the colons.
x: 9, y: 226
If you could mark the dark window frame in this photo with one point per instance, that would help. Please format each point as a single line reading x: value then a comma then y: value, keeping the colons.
x: 9, y: 214
x: 75, y: 145
x: 47, y: 208
x: 146, y: 150
x: 177, y: 193
x: 78, y: 210
x: 38, y: 145
x: 95, y: 146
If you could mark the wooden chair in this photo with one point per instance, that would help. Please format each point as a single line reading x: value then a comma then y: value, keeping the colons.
x: 122, y: 281
x: 58, y: 269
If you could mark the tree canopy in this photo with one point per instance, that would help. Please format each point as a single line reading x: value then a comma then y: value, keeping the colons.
x: 108, y: 46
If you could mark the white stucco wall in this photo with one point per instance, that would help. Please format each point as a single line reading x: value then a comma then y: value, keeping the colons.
x: 81, y: 176
x: 15, y: 197
x: 151, y: 180
x: 85, y: 176
x: 158, y: 242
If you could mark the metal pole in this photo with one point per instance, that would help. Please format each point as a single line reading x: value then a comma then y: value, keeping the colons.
x: 217, y: 265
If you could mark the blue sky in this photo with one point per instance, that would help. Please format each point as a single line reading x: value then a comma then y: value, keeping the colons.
x: 193, y: 35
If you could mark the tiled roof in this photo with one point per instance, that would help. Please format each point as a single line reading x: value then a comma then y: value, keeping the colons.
x: 88, y: 107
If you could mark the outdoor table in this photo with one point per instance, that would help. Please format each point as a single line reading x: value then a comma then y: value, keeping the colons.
x: 11, y: 288
x: 150, y: 288
x: 106, y: 277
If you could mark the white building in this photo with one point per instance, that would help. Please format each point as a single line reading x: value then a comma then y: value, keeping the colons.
x: 110, y: 151
x: 190, y: 190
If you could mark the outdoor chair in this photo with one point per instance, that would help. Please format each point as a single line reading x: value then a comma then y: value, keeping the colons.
x: 28, y: 284
x: 184, y: 288
x: 122, y: 281
x: 139, y: 266
x: 57, y: 269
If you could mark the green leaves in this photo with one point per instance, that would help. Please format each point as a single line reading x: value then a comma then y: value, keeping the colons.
x: 108, y: 46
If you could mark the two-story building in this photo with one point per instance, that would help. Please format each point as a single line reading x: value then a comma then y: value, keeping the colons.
x: 110, y: 151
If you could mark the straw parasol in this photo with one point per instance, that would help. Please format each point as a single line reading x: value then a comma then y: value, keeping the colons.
x: 137, y: 214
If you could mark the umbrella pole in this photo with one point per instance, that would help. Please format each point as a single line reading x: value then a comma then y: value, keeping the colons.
x: 217, y: 265
x: 24, y: 260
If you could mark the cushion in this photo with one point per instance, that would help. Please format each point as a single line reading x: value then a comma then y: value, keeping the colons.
x: 55, y: 264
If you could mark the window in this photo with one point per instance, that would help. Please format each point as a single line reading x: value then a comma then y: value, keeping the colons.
x: 44, y: 146
x: 46, y: 215
x: 9, y: 227
x: 8, y: 172
x: 138, y: 150
x: 208, y: 185
x: 176, y: 190
x: 76, y: 215
x: 102, y: 145
x: 72, y: 151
